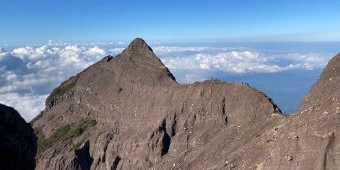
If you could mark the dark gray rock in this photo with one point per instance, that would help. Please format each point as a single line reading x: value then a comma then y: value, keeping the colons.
x: 18, y: 145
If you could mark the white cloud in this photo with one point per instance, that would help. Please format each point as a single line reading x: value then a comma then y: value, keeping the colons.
x: 95, y: 51
x: 115, y: 50
x: 121, y: 43
x: 70, y: 55
x: 242, y: 62
x: 57, y: 43
x: 28, y: 74
x: 204, y: 66
x: 23, y: 51
x: 11, y: 76
x: 308, y: 61
x: 167, y: 49
x: 28, y: 105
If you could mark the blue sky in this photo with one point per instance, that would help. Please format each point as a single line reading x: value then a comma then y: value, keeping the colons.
x: 177, y: 20
x: 249, y: 41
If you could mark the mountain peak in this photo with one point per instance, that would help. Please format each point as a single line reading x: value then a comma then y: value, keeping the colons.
x: 139, y: 45
x: 139, y: 55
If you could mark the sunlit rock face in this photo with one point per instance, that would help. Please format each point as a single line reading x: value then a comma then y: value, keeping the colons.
x: 128, y: 112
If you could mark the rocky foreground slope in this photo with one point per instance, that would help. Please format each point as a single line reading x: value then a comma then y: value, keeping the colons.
x: 128, y: 112
x: 17, y: 141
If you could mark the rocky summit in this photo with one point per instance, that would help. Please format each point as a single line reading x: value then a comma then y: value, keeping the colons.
x: 18, y: 144
x: 128, y: 112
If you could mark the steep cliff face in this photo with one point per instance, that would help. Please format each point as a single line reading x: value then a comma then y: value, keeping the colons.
x: 325, y: 92
x: 17, y: 141
x: 309, y: 139
x: 128, y: 112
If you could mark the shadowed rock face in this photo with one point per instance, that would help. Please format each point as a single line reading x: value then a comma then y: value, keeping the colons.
x: 128, y: 112
x: 17, y: 141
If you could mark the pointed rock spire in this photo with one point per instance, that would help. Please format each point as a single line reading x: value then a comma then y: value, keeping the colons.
x: 138, y: 45
x: 140, y: 55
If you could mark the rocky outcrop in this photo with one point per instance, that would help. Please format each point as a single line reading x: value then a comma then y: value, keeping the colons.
x: 128, y: 112
x: 309, y: 139
x: 325, y: 91
x: 17, y: 141
x: 145, y: 119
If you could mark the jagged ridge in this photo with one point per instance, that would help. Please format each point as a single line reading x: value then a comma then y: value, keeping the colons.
x: 145, y: 120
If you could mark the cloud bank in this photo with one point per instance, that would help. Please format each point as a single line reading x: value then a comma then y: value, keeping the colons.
x: 231, y: 61
x: 28, y: 74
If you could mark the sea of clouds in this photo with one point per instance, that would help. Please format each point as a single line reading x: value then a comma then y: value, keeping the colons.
x: 29, y: 73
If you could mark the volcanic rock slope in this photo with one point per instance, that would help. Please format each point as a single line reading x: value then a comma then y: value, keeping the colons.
x: 18, y: 145
x: 128, y: 112
x: 309, y: 139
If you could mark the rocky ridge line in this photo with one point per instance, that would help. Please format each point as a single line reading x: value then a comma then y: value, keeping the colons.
x: 143, y: 119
